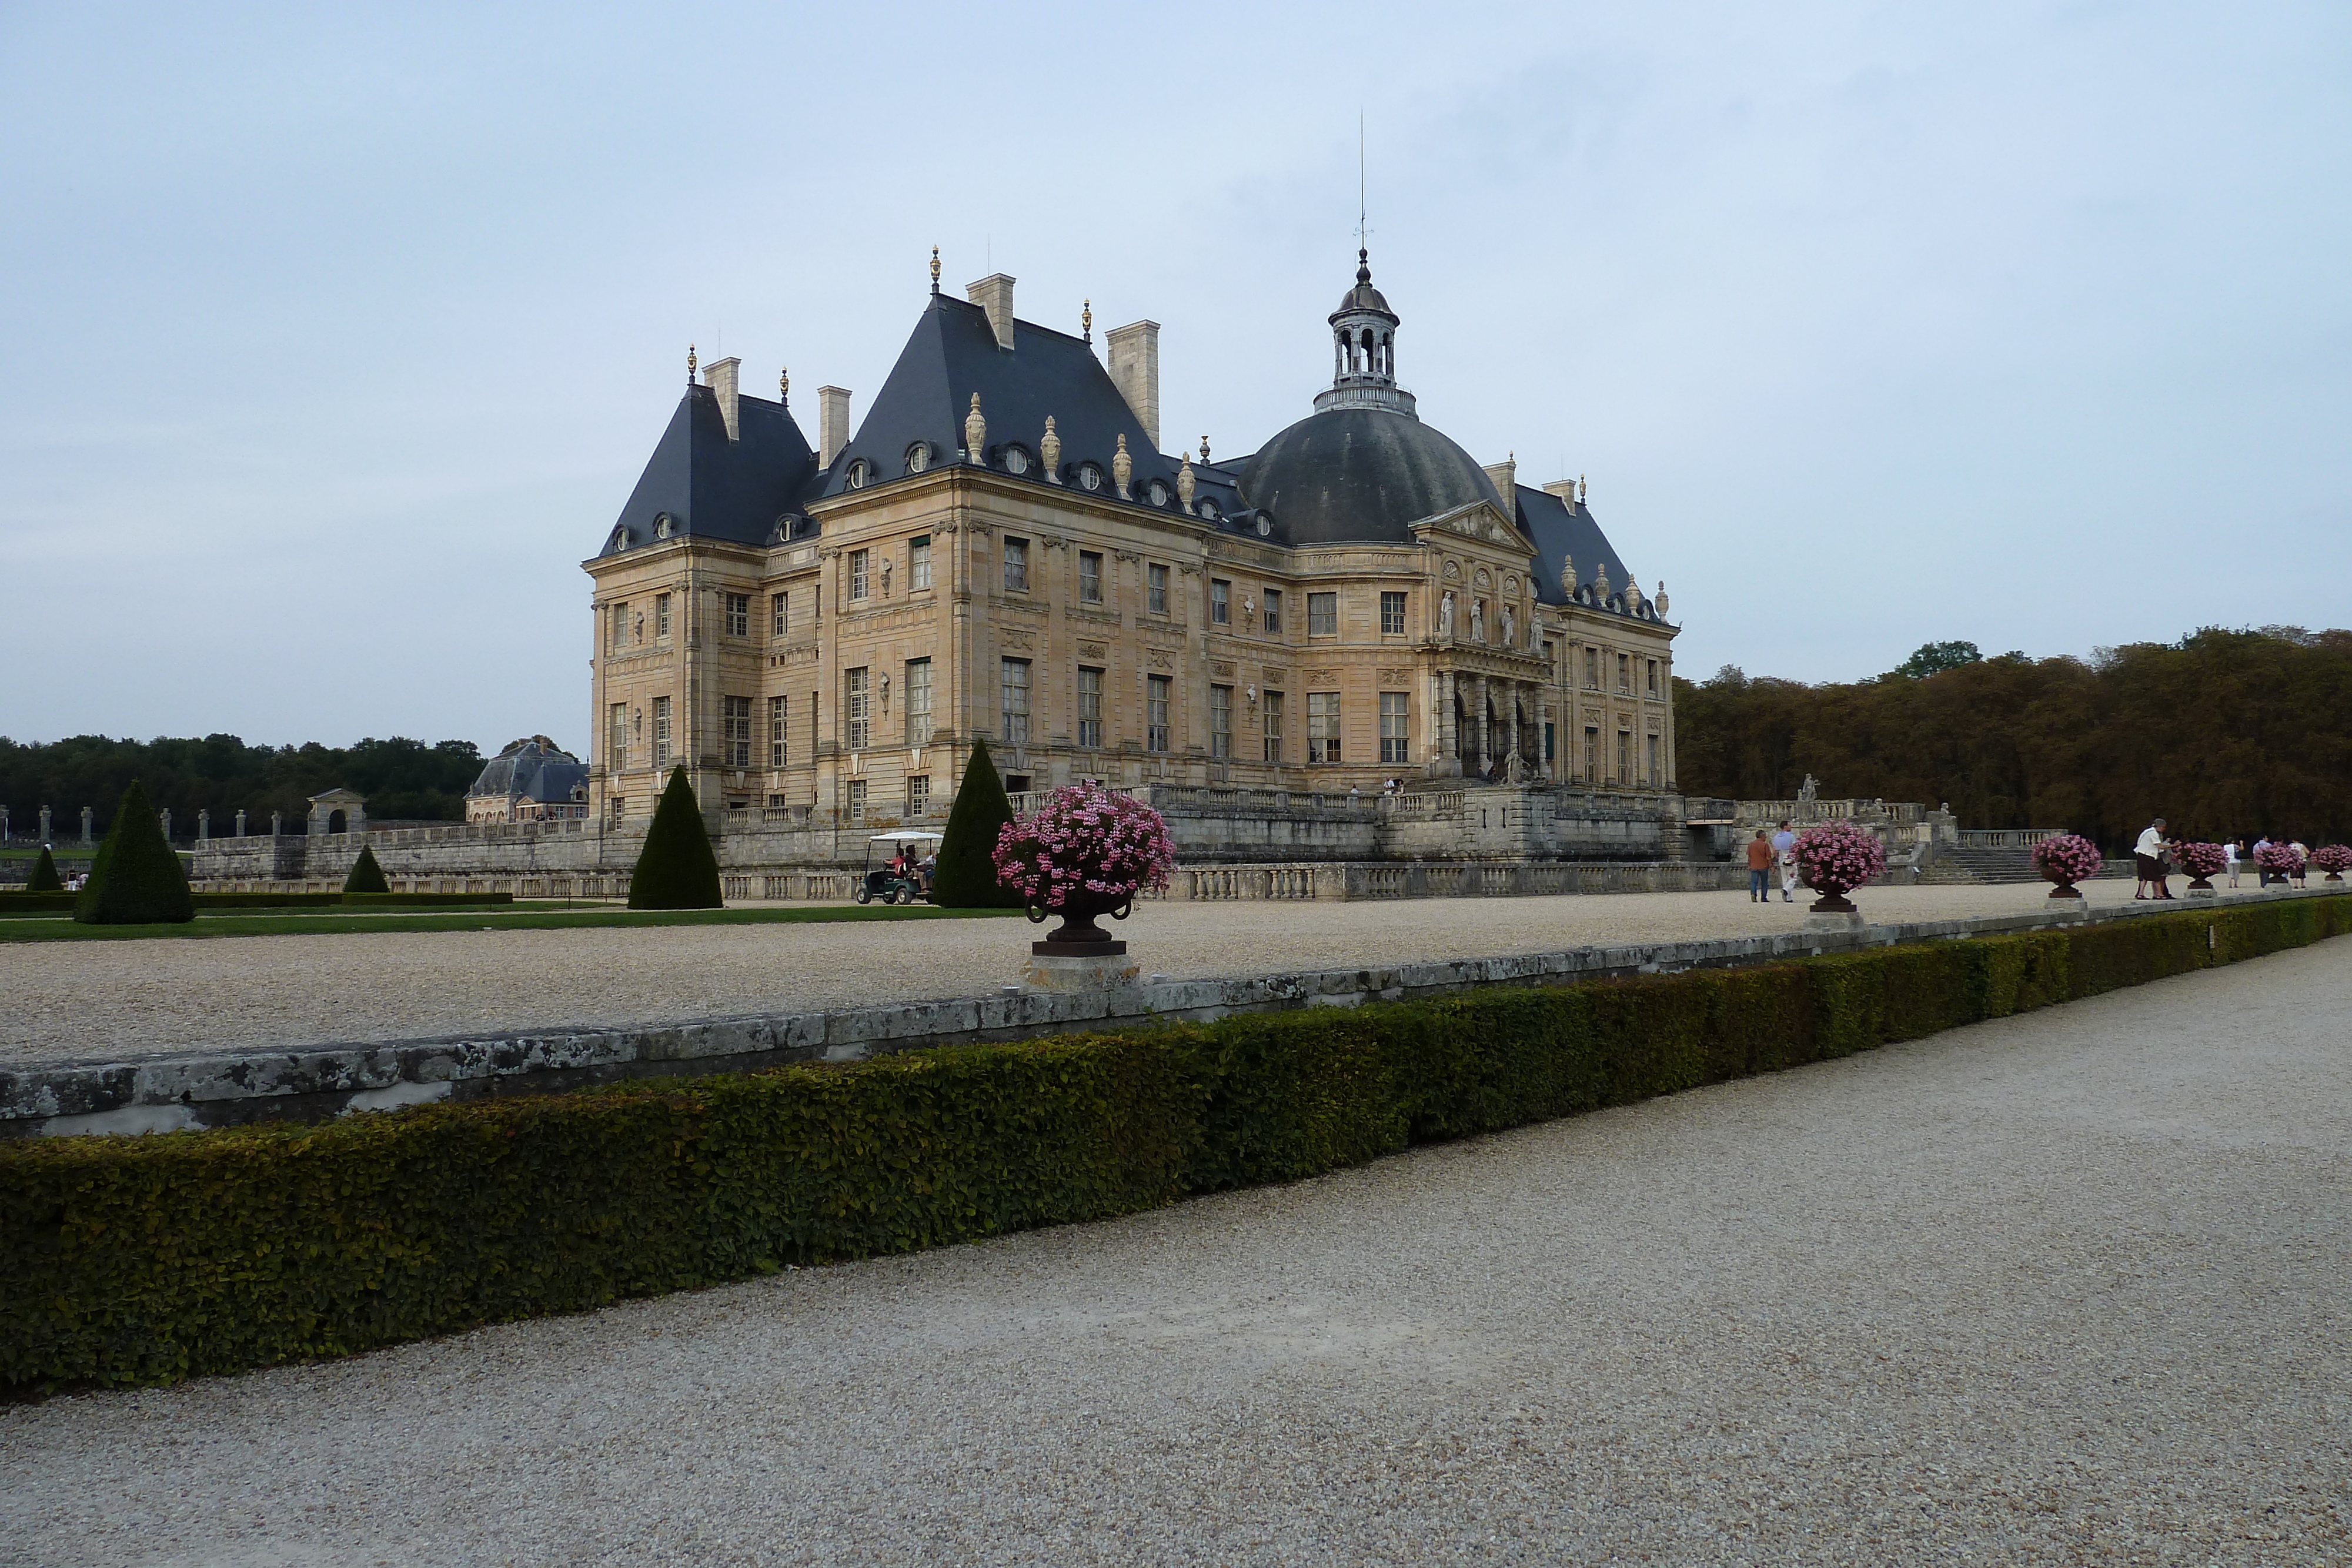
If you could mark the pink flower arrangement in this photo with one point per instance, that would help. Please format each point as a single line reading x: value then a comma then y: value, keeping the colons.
x: 2067, y: 859
x: 2279, y: 860
x: 1838, y: 857
x: 1084, y: 840
x: 2202, y: 861
x: 2333, y: 859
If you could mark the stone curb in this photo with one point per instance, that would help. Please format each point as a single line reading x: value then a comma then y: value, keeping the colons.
x: 211, y: 1089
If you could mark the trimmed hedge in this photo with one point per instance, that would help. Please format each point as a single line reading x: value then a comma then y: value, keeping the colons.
x: 130, y: 1260
x: 136, y: 878
x: 675, y: 868
x: 366, y: 876
x: 44, y: 877
x: 965, y: 876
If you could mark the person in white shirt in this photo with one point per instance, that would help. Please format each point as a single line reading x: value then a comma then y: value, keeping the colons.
x: 2230, y: 854
x: 2148, y: 854
x: 1784, y: 850
x: 2302, y: 859
x: 2262, y: 875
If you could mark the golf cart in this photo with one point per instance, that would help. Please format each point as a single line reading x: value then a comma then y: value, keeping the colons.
x: 880, y: 881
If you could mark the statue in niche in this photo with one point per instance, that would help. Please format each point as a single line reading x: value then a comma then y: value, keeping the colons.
x: 1445, y: 615
x: 1478, y: 621
x: 1808, y: 791
x: 1510, y: 628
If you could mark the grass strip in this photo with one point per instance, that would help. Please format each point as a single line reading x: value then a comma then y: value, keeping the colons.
x: 26, y: 928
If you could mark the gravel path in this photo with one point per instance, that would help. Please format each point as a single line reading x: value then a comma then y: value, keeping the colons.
x: 2068, y: 1287
x: 70, y: 1001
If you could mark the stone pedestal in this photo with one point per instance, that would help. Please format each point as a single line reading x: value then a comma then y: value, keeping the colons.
x: 1835, y: 920
x: 1069, y: 973
x: 2199, y: 892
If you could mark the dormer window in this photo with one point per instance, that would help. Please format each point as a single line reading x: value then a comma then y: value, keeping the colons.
x: 859, y: 473
x: 1206, y: 507
x: 1156, y: 492
x: 1017, y: 460
x: 620, y: 539
x: 918, y: 457
x: 664, y: 526
x: 1090, y: 477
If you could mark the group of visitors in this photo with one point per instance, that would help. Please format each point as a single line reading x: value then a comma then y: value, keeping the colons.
x: 2154, y: 856
x: 1766, y: 854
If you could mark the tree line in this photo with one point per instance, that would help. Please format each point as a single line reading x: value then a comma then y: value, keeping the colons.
x: 401, y: 778
x: 2224, y: 734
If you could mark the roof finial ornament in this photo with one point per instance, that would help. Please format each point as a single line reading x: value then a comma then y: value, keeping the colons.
x: 1123, y: 468
x: 935, y: 269
x: 689, y: 364
x: 975, y: 432
x: 1050, y: 450
x: 1087, y: 320
x: 784, y: 384
x: 1204, y: 452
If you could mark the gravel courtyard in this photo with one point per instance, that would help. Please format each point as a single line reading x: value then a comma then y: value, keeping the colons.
x: 124, y: 999
x: 2061, y: 1288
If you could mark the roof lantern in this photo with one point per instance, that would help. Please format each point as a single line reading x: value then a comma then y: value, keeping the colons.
x: 1363, y: 351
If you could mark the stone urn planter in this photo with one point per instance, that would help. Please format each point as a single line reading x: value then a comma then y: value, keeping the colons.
x: 1078, y: 935
x: 2066, y: 860
x: 1834, y: 859
x: 1085, y: 852
x: 2333, y: 859
x: 2203, y: 863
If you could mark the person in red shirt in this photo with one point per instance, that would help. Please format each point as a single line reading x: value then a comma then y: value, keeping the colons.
x: 1760, y: 869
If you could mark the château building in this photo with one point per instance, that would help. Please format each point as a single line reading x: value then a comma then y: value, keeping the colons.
x: 1001, y: 550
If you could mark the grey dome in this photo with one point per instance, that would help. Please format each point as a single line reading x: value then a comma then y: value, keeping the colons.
x: 1351, y: 474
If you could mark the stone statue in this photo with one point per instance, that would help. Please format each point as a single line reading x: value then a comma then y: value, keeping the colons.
x: 1122, y: 469
x: 1478, y: 621
x: 1510, y: 628
x: 1050, y: 450
x: 975, y: 432
x: 1808, y: 790
x: 1568, y: 575
x: 1516, y: 769
x: 1185, y: 484
x: 1445, y: 615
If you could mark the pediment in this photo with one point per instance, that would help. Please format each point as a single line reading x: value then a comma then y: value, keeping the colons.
x: 1477, y: 520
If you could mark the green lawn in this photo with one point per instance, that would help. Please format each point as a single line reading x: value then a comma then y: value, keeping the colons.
x: 26, y: 928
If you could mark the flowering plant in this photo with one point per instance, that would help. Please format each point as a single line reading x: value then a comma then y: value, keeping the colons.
x: 2067, y: 859
x: 2201, y: 861
x: 2333, y: 859
x: 1084, y: 840
x: 1838, y: 857
x: 2279, y: 860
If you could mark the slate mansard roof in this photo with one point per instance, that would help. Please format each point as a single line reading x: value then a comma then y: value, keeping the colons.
x: 713, y: 489
x: 532, y: 769
x: 1351, y: 473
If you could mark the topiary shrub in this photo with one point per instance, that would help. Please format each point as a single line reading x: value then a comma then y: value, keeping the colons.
x: 966, y: 877
x: 366, y: 876
x: 45, y: 874
x: 135, y: 879
x: 676, y: 870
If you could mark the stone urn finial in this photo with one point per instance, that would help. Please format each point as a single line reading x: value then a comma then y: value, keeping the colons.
x: 1050, y: 452
x: 1601, y: 582
x: 1633, y: 595
x: 1661, y: 598
x: 975, y: 432
x: 1122, y: 469
x: 1568, y: 575
x: 1185, y: 484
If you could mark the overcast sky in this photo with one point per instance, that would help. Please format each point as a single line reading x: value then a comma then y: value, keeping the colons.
x: 332, y: 339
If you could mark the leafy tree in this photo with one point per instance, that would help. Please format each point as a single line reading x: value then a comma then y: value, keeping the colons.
x: 366, y: 876
x: 966, y: 875
x: 135, y: 879
x: 676, y: 869
x: 1934, y: 659
x: 45, y: 874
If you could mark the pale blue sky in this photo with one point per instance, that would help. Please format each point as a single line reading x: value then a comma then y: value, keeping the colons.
x: 330, y: 340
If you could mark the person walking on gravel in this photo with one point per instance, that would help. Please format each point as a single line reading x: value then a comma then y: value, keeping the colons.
x: 1760, y: 869
x: 2148, y: 854
x: 2231, y: 853
x: 1784, y: 850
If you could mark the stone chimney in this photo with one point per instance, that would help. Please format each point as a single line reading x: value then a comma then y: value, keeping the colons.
x: 1505, y: 478
x: 1135, y: 371
x: 832, y: 423
x: 993, y: 293
x: 1565, y: 489
x: 719, y: 376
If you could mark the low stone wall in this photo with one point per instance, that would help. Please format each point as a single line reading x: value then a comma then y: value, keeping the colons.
x: 214, y: 1089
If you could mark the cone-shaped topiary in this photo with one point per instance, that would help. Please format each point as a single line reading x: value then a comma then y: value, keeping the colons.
x: 366, y: 876
x: 966, y: 878
x: 45, y: 874
x: 676, y: 870
x: 135, y: 879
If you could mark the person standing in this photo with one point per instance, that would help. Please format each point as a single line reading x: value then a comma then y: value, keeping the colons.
x: 1760, y: 869
x: 2147, y: 858
x: 2262, y: 872
x: 2302, y: 858
x: 1784, y: 850
x: 2230, y: 855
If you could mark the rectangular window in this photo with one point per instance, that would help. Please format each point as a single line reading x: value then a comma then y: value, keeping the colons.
x: 1624, y: 671
x: 919, y: 702
x: 1391, y: 614
x: 919, y: 562
x: 617, y: 738
x: 1221, y: 603
x: 780, y: 619
x: 1396, y: 726
x: 661, y: 615
x: 1090, y: 686
x: 858, y: 710
x: 1549, y: 736
x: 1221, y: 721
x: 1016, y: 566
x: 776, y: 747
x: 1273, y: 612
x: 621, y: 623
x: 1089, y: 577
x: 1155, y: 712
x: 735, y: 732
x: 861, y: 574
x: 857, y: 799
x: 1625, y: 757
x: 919, y: 795
x: 1655, y: 777
x: 1653, y: 677
x: 1272, y: 702
x: 1156, y: 601
x: 661, y: 732
x: 1322, y: 726
x: 619, y: 805
x: 1592, y: 669
x: 1591, y: 754
x: 1322, y: 614
x: 1014, y: 674
x: 739, y: 614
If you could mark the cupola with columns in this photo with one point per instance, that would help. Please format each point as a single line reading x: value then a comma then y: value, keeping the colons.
x: 1363, y: 351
